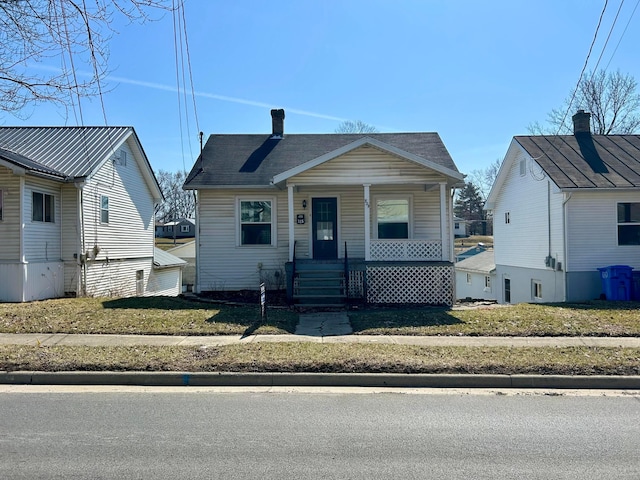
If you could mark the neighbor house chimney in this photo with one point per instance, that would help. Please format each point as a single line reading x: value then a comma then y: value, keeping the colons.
x: 277, y: 121
x: 581, y: 122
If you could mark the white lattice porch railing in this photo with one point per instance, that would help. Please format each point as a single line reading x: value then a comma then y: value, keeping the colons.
x: 406, y: 250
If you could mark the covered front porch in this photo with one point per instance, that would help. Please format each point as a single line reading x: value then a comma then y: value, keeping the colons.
x: 340, y: 250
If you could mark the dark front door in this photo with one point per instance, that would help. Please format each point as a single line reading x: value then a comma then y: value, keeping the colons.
x: 324, y: 212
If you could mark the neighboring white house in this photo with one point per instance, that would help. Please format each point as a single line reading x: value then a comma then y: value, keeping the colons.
x: 187, y: 252
x: 460, y: 227
x: 373, y: 209
x: 564, y: 206
x: 77, y: 214
x: 476, y: 277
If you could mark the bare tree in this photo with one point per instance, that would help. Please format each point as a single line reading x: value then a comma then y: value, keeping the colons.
x: 178, y: 203
x: 71, y: 32
x: 355, y: 126
x: 484, y: 178
x: 612, y: 100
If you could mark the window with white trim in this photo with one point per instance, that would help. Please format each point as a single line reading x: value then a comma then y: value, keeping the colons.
x: 1, y: 202
x: 469, y: 278
x: 523, y: 167
x: 43, y: 207
x: 536, y: 289
x: 487, y: 283
x: 392, y: 218
x: 507, y: 217
x: 256, y: 222
x: 629, y: 223
x: 184, y: 228
x: 104, y: 209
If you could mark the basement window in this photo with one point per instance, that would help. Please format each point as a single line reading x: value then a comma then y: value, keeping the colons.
x: 536, y: 289
x: 629, y: 223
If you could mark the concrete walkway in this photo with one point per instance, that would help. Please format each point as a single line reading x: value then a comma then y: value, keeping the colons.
x: 314, y: 334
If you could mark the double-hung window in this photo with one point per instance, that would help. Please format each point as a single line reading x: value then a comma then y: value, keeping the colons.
x: 392, y: 218
x: 256, y: 222
x: 42, y: 207
x: 104, y: 209
x: 629, y: 223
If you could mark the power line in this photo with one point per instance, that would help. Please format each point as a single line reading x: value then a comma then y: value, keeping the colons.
x: 623, y: 32
x: 607, y: 40
x: 586, y: 62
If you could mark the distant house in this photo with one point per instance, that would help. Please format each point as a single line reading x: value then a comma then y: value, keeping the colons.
x: 370, y: 215
x: 77, y: 214
x: 460, y: 227
x: 181, y: 228
x: 476, y: 277
x: 564, y: 206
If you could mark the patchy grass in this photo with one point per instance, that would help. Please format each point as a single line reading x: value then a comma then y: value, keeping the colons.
x: 333, y: 358
x: 147, y: 316
x: 598, y: 318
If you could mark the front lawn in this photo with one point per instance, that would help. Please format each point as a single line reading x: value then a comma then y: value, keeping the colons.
x: 144, y: 316
x: 598, y: 318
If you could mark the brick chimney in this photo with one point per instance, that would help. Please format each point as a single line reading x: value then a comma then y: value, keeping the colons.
x: 581, y: 122
x: 277, y: 122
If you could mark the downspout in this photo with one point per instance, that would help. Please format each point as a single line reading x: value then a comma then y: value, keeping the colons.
x: 21, y: 240
x: 196, y: 196
x: 82, y: 259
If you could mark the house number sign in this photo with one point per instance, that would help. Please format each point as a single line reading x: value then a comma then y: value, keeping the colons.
x: 300, y: 219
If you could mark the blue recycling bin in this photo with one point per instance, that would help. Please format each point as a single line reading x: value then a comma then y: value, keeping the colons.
x: 635, y: 285
x: 616, y: 282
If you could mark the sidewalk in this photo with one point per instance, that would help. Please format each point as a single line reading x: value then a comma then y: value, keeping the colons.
x: 97, y: 340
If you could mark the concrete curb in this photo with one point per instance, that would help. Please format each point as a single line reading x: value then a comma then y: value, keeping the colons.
x: 230, y: 379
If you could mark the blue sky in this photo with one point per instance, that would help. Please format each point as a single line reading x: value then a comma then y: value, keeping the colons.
x: 475, y: 72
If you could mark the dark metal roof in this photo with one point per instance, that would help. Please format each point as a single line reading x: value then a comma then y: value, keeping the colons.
x: 256, y: 159
x: 27, y: 164
x: 587, y: 161
x: 62, y: 151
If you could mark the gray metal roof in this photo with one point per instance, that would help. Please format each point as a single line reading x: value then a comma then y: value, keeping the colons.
x: 62, y: 151
x: 482, y: 262
x: 255, y: 159
x: 162, y: 259
x: 587, y: 161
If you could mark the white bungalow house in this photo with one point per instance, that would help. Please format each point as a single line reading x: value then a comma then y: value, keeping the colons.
x: 373, y: 212
x: 476, y: 277
x: 77, y: 215
x: 564, y: 206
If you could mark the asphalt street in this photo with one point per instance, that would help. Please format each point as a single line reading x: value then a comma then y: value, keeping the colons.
x: 199, y: 433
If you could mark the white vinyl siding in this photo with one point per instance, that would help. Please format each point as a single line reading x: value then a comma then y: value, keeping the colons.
x: 130, y: 231
x: 381, y: 168
x: 42, y: 240
x: 116, y: 278
x: 530, y: 205
x: 592, y: 231
x: 10, y: 224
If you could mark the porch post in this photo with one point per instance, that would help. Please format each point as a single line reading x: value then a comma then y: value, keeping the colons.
x: 443, y: 221
x: 367, y: 223
x: 291, y: 221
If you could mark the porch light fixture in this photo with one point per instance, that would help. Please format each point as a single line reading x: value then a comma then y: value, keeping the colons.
x: 304, y: 204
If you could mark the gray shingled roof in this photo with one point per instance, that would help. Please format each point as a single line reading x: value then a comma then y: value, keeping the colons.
x: 587, y: 161
x: 60, y: 151
x: 162, y: 259
x: 256, y: 159
x: 482, y: 262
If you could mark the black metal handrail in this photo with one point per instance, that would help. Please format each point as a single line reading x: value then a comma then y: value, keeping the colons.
x: 346, y: 271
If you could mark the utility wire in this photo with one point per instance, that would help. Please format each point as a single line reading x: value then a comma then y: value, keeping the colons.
x: 586, y: 62
x: 623, y: 32
x: 607, y: 41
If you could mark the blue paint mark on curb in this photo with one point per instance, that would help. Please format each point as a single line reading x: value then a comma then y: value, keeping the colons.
x: 185, y: 379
